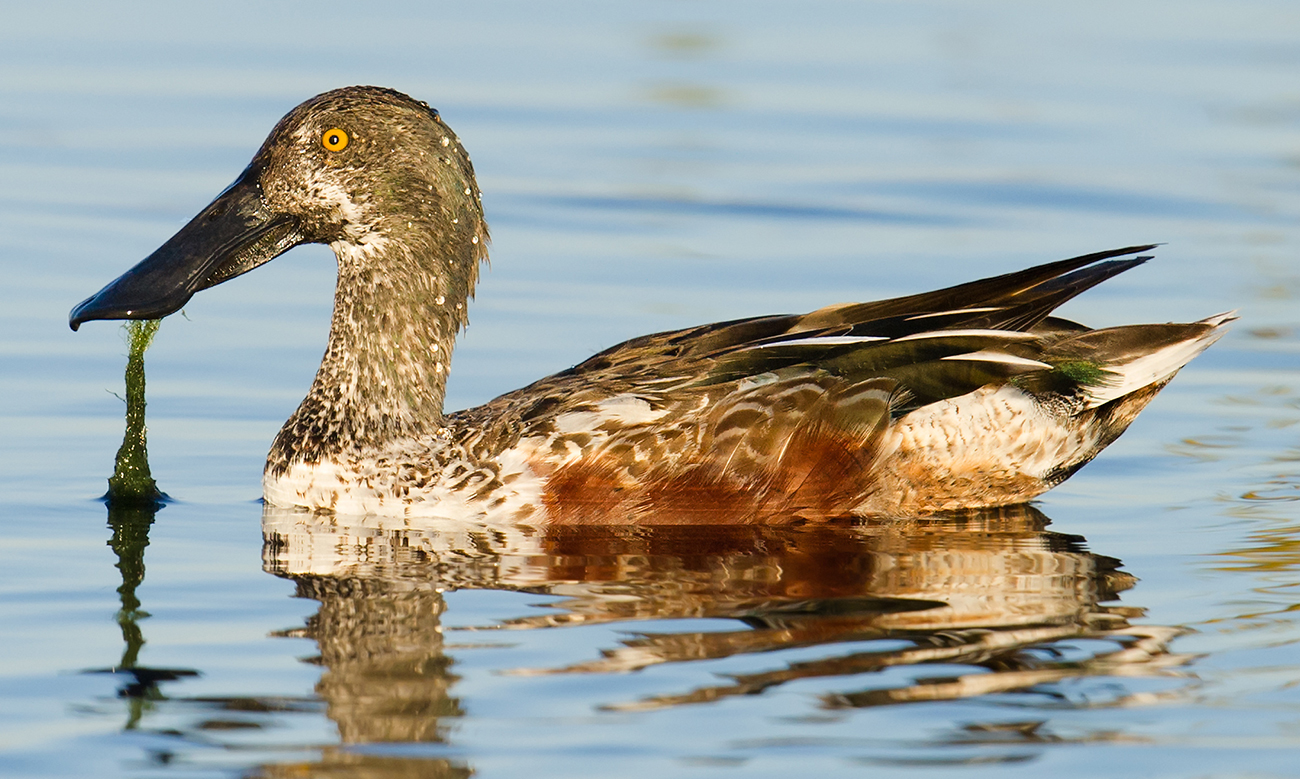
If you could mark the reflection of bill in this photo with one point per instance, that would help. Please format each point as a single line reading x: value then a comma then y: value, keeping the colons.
x: 993, y: 590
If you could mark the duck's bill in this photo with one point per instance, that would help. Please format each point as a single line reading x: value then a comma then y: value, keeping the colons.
x: 233, y: 235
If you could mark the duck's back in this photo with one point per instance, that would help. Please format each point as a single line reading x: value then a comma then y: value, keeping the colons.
x: 964, y: 397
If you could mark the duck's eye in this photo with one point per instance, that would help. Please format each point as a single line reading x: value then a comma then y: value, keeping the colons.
x: 334, y: 140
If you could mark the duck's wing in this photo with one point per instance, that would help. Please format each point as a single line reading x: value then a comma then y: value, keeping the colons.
x: 1012, y: 301
x: 934, y: 345
x: 938, y: 344
x: 1018, y: 301
x: 787, y: 414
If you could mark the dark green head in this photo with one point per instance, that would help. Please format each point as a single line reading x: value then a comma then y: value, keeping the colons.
x: 368, y: 170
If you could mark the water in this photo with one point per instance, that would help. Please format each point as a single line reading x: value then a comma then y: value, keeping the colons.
x: 648, y: 167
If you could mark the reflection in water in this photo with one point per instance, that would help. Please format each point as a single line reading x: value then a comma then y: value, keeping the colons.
x: 133, y: 499
x: 687, y: 45
x: 132, y: 483
x: 386, y: 678
x: 130, y: 525
x: 995, y: 592
x: 679, y: 94
x: 684, y: 44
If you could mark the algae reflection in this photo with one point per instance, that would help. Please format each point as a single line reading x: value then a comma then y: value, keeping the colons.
x: 133, y: 500
x: 994, y: 592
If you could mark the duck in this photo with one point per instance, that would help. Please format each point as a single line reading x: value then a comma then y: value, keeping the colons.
x: 966, y: 397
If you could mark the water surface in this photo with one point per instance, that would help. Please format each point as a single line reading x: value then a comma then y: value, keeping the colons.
x: 646, y: 167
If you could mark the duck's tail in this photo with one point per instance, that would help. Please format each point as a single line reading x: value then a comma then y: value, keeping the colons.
x: 1133, y: 357
x: 1137, y: 362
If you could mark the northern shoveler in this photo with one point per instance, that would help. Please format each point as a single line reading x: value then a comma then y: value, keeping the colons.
x: 964, y: 397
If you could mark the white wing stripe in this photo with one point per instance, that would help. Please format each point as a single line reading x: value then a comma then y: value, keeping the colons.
x: 829, y: 340
x: 999, y: 357
x: 980, y: 310
x: 1006, y: 335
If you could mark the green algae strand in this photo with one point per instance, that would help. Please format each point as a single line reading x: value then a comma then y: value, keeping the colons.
x: 131, y: 482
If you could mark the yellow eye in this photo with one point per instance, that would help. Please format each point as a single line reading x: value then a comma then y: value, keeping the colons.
x: 334, y: 140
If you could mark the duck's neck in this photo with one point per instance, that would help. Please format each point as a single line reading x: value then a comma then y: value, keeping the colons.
x: 401, y: 299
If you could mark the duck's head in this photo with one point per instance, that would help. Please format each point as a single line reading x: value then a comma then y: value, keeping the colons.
x: 372, y: 172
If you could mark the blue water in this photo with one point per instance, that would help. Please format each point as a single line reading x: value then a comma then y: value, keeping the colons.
x: 645, y: 167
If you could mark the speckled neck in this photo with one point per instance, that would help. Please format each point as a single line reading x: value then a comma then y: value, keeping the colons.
x: 407, y: 264
x: 384, y: 373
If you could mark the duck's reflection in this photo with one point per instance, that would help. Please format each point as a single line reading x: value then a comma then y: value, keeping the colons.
x: 995, y: 592
x: 386, y: 676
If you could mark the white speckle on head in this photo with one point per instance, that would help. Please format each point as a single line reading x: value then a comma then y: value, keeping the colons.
x: 359, y: 245
x: 357, y: 218
x: 440, y: 300
x: 446, y: 141
x: 474, y: 239
x: 467, y: 191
